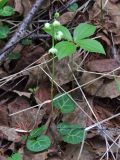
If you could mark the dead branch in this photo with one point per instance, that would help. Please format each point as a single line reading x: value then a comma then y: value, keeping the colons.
x: 20, y: 31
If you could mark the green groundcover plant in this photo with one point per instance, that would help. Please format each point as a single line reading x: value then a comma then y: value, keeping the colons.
x: 5, y: 11
x: 65, y: 44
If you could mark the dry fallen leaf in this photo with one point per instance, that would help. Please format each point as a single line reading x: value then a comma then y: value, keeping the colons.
x: 18, y: 6
x: 93, y: 87
x: 10, y: 133
x: 102, y: 66
x: 23, y: 120
x: 111, y: 9
x: 66, y: 17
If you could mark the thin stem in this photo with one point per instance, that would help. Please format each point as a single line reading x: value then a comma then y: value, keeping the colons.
x: 53, y: 68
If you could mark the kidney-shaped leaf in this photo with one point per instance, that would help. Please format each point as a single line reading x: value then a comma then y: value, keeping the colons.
x: 37, y: 132
x: 64, y: 103
x: 4, y: 30
x: 91, y: 45
x: 6, y: 11
x: 16, y: 156
x: 82, y: 31
x: 71, y: 133
x: 65, y: 127
x: 65, y: 49
x: 36, y: 145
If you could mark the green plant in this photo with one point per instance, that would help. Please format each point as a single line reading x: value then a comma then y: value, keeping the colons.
x: 32, y: 89
x: 64, y: 103
x: 73, y: 7
x: 5, y: 10
x: 14, y: 56
x: 37, y: 141
x: 70, y: 44
x: 26, y: 42
x: 70, y: 133
x: 3, y: 2
x: 15, y: 156
x: 4, y: 31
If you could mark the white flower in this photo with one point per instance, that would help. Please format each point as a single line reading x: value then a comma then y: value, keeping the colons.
x: 52, y: 50
x: 47, y: 26
x: 56, y: 23
x: 59, y: 35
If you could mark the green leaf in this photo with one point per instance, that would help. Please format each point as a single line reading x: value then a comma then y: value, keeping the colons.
x: 7, y: 11
x: 41, y: 143
x: 37, y: 132
x: 26, y: 42
x: 3, y: 2
x: 64, y: 30
x: 91, y: 45
x: 16, y: 156
x: 14, y: 56
x: 71, y: 133
x: 73, y: 7
x: 64, y: 103
x: 65, y: 49
x: 65, y: 127
x: 4, y: 30
x: 82, y: 31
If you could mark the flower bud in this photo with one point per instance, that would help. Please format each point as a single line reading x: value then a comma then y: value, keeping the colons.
x: 57, y: 15
x: 59, y: 35
x: 52, y: 50
x: 47, y: 26
x: 56, y: 23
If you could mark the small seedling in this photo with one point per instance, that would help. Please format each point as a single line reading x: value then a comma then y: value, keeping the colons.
x: 73, y: 7
x: 26, y: 42
x: 14, y: 56
x: 33, y: 89
x: 37, y: 141
x: 4, y: 31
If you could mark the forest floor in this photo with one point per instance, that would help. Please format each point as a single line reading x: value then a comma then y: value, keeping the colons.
x: 28, y: 86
